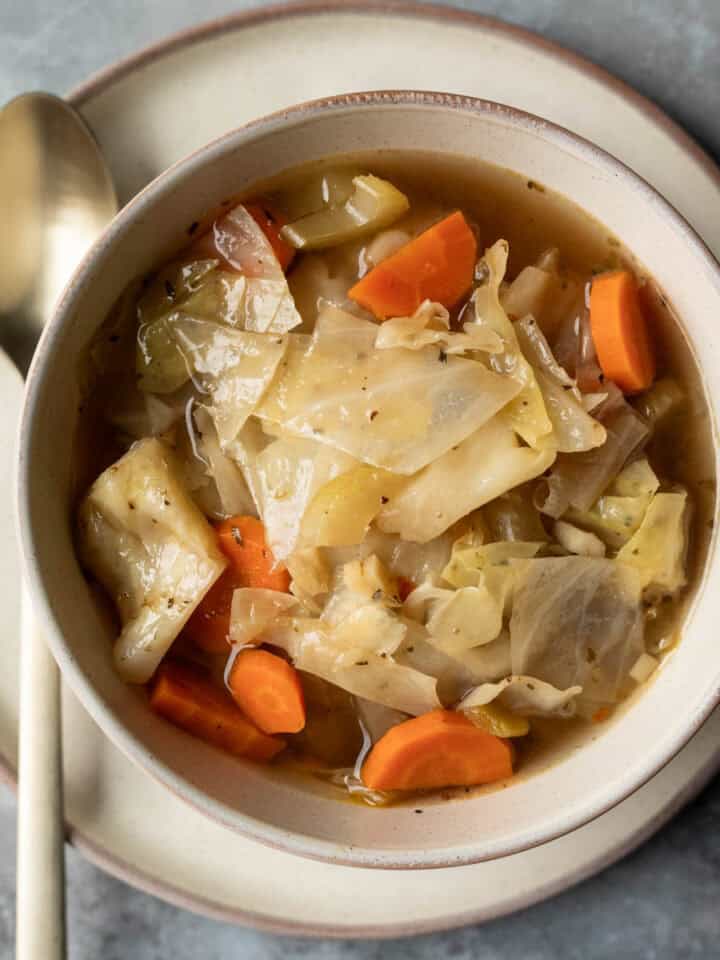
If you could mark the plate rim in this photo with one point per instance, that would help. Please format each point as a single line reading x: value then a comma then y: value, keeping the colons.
x: 105, y: 77
x: 96, y: 84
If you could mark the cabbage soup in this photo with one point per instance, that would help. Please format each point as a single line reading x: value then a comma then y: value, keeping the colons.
x: 395, y: 476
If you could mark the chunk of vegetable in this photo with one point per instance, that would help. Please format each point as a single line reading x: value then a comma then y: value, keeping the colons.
x: 185, y: 696
x: 430, y: 325
x: 238, y: 240
x: 395, y: 409
x: 235, y: 498
x: 577, y: 622
x: 440, y: 749
x: 523, y: 696
x: 469, y: 563
x: 644, y: 667
x: 271, y: 223
x: 437, y: 265
x: 620, y: 331
x: 268, y: 691
x: 172, y: 287
x: 577, y: 480
x: 148, y: 544
x: 664, y: 397
x: 254, y: 609
x: 526, y: 412
x: 373, y: 204
x: 242, y: 540
x: 353, y: 665
x: 513, y: 516
x: 286, y: 476
x: 233, y: 366
x: 498, y: 721
x: 488, y: 463
x: 657, y: 549
x: 578, y: 541
x: 342, y: 510
x: 616, y: 516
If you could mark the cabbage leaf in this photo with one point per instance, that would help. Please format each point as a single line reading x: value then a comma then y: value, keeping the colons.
x: 147, y: 543
x: 488, y: 463
x: 577, y: 621
x: 395, y: 409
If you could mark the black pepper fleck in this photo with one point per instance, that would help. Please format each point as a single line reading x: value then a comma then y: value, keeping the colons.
x: 193, y: 227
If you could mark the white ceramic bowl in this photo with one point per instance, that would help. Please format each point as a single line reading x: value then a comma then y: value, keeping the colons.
x: 249, y: 798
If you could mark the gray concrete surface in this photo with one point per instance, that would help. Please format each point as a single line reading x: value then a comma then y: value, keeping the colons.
x: 661, y: 902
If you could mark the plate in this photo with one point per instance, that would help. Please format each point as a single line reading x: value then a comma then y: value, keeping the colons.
x: 151, y: 110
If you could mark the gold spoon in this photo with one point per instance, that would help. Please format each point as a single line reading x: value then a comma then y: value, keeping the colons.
x: 56, y: 196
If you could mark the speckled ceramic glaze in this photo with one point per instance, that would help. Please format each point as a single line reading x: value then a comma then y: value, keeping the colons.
x: 257, y: 803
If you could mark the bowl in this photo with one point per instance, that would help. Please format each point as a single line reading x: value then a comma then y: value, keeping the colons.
x: 616, y: 759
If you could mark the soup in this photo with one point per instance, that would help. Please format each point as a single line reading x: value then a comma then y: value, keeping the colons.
x: 397, y: 476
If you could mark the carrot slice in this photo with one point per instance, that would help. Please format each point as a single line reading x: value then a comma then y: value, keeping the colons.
x: 439, y: 749
x: 242, y: 540
x: 620, y: 332
x: 268, y: 690
x: 437, y: 265
x: 209, y: 625
x: 271, y: 222
x: 186, y: 696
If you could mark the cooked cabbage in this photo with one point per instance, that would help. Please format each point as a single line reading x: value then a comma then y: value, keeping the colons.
x: 488, y: 463
x: 312, y: 647
x: 342, y: 510
x: 268, y: 306
x: 526, y: 412
x: 497, y: 720
x: 309, y: 573
x: 235, y: 498
x: 430, y: 326
x: 470, y: 562
x: 233, y: 367
x: 172, y: 287
x: 396, y: 409
x: 578, y: 480
x: 578, y: 541
x: 148, y: 544
x: 657, y: 549
x: 513, y: 516
x: 577, y: 621
x: 574, y: 428
x: 254, y: 610
x: 285, y: 477
x: 373, y: 204
x: 619, y: 512
x: 525, y: 696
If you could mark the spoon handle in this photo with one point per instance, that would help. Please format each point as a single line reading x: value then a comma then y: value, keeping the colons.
x: 41, y: 856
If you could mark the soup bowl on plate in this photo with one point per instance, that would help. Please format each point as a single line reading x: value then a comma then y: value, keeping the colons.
x: 594, y: 768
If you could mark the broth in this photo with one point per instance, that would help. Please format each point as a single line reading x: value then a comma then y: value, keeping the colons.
x: 497, y: 203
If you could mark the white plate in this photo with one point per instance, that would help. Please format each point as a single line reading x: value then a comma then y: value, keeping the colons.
x: 148, y: 112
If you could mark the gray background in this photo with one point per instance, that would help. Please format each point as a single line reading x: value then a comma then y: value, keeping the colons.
x: 661, y: 902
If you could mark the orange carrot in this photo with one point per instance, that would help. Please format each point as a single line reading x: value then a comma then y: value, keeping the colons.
x: 270, y: 222
x: 437, y: 265
x: 620, y: 332
x: 405, y: 588
x: 268, y: 690
x: 242, y: 540
x: 186, y: 696
x: 439, y: 749
x: 601, y: 715
x: 209, y: 625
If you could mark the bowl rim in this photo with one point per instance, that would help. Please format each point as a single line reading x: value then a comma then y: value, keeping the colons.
x: 248, y: 825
